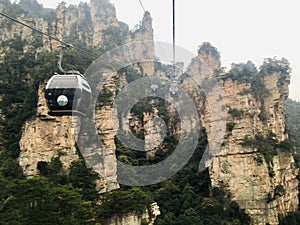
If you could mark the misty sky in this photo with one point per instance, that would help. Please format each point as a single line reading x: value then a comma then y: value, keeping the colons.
x: 240, y: 30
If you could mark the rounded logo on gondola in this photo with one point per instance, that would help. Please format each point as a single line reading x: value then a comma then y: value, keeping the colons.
x: 62, y: 100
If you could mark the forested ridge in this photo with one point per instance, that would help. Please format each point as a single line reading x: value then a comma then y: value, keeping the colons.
x: 57, y: 197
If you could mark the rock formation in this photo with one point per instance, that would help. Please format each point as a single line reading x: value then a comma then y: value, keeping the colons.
x: 46, y: 137
x: 143, y: 38
x: 154, y: 132
x: 262, y: 181
x: 94, y: 24
x: 136, y: 219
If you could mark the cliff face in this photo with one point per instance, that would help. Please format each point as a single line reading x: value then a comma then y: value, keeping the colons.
x: 261, y: 179
x: 148, y: 217
x: 46, y: 137
x: 208, y: 95
x: 260, y: 175
x: 94, y: 24
x: 141, y: 36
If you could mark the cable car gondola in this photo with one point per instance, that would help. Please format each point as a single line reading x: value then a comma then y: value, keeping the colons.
x: 68, y: 94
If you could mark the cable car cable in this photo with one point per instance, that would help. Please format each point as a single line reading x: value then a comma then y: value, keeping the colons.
x: 45, y: 34
x: 173, y: 76
x: 62, y: 90
x: 174, y: 46
x: 142, y: 6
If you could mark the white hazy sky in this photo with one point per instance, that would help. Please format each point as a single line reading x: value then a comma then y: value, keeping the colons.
x: 241, y: 30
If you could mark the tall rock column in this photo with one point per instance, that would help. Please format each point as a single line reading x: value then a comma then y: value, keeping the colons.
x: 142, y: 40
x: 252, y: 163
x: 154, y: 130
x: 46, y: 137
x: 260, y: 179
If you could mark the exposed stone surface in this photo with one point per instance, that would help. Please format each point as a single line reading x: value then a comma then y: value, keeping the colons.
x: 155, y: 130
x: 208, y: 96
x: 142, y: 37
x: 92, y: 24
x: 243, y: 171
x: 106, y: 124
x: 266, y: 189
x: 46, y: 137
x: 136, y: 219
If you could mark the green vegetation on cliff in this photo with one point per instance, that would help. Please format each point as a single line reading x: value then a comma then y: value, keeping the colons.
x: 57, y: 197
x: 292, y: 120
x: 60, y: 198
x: 293, y: 129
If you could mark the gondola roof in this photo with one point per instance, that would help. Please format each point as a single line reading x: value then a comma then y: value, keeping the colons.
x: 59, y: 81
